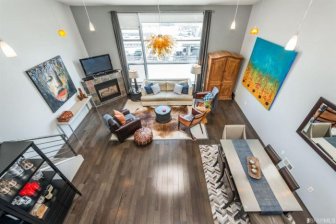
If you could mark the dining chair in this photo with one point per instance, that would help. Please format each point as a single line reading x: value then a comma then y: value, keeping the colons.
x: 293, y: 186
x: 257, y: 218
x: 276, y: 159
x: 320, y: 130
x: 225, y: 177
x: 234, y: 132
x: 289, y: 179
x: 221, y: 164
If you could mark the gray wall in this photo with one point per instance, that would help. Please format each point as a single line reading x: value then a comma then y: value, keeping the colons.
x: 102, y: 41
x: 311, y: 76
x: 30, y: 28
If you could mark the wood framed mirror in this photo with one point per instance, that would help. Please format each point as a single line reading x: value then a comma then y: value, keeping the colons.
x: 319, y: 130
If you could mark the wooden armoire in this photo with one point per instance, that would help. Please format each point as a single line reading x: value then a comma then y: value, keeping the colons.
x: 222, y: 72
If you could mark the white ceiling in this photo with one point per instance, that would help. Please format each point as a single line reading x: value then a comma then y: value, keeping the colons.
x: 162, y: 2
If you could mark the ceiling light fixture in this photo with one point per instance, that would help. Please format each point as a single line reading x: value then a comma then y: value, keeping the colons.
x: 61, y: 33
x: 7, y: 49
x: 91, y: 26
x: 255, y: 30
x: 291, y: 44
x: 233, y: 24
x: 160, y: 45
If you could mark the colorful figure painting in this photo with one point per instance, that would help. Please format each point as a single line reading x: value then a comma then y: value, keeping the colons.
x: 266, y: 71
x: 53, y: 81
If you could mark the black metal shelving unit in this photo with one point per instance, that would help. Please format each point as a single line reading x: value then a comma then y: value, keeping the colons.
x: 12, y: 159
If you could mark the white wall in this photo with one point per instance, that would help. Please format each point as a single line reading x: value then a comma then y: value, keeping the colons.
x: 30, y: 27
x: 312, y: 75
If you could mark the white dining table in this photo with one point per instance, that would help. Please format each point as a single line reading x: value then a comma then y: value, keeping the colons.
x: 281, y: 191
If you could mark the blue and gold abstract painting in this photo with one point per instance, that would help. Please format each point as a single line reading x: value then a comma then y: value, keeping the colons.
x: 266, y: 71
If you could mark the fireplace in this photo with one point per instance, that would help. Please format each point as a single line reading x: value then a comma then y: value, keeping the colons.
x: 108, y: 90
x: 97, y: 87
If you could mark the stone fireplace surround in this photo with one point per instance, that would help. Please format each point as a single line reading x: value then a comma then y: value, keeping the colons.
x: 89, y: 86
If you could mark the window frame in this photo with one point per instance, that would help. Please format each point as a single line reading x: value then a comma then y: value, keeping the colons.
x: 141, y: 39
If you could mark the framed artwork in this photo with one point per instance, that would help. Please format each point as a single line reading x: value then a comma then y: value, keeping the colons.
x: 266, y: 71
x: 53, y: 81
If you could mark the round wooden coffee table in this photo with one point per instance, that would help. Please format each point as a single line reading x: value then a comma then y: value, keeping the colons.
x: 163, y: 114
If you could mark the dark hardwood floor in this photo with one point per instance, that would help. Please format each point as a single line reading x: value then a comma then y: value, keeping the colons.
x: 161, y: 183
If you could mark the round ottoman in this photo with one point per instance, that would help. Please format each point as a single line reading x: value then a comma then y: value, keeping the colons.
x: 143, y: 136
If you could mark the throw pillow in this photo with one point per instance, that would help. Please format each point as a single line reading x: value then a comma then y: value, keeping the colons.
x: 156, y: 88
x: 148, y: 88
x: 178, y: 89
x: 120, y: 117
x: 185, y: 89
x: 208, y: 97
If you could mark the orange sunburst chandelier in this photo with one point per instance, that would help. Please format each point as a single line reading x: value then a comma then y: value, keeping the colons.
x: 160, y: 45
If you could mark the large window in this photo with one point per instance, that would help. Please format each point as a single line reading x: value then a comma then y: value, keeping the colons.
x: 186, y: 29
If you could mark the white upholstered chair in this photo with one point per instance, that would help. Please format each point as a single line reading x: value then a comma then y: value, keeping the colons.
x: 234, y: 132
x: 320, y: 130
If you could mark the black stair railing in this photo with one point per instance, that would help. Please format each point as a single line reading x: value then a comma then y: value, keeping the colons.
x: 55, y: 147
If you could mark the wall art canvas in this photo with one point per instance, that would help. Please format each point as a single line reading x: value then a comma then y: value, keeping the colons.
x: 266, y: 71
x: 53, y: 81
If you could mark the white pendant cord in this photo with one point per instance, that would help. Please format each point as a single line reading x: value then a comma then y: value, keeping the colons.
x: 261, y: 6
x: 158, y: 7
x: 234, y: 19
x: 7, y: 49
x: 292, y: 43
x: 57, y: 20
x: 304, y: 16
x: 87, y: 14
x: 255, y: 30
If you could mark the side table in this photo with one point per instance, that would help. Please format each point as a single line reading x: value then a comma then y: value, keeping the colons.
x: 135, y: 96
x: 76, y: 110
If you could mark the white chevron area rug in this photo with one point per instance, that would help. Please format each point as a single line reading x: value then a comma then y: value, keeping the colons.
x: 218, y: 197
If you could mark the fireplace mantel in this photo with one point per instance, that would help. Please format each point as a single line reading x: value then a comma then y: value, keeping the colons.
x: 90, y: 87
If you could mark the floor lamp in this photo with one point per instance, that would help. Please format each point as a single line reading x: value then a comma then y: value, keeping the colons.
x: 196, y: 70
x: 133, y: 74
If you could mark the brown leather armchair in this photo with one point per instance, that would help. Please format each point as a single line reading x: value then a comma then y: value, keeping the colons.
x: 191, y: 120
x: 123, y: 131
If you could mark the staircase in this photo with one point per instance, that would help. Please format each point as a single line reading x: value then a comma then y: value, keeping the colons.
x: 60, y: 152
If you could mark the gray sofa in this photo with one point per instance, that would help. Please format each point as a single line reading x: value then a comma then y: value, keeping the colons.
x: 167, y: 95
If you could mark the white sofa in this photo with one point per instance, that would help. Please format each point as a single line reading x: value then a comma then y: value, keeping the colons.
x: 166, y: 95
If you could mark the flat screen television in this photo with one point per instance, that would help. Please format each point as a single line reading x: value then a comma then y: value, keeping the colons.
x: 96, y: 65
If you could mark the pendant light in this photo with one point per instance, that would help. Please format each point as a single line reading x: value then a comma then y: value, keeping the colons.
x: 160, y: 45
x: 255, y: 30
x: 233, y: 24
x: 61, y: 33
x: 7, y: 49
x: 291, y: 44
x: 91, y: 26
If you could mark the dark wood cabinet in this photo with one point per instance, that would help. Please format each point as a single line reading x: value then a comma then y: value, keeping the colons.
x: 222, y: 72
